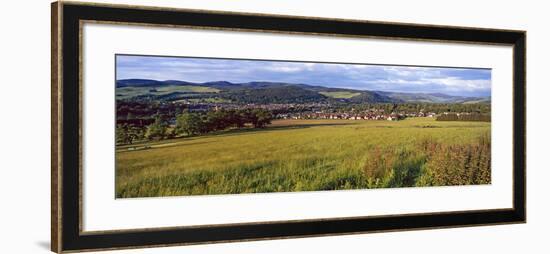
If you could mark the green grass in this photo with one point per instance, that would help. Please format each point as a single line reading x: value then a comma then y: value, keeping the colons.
x: 306, y: 155
x: 339, y: 95
x: 209, y: 100
x: 129, y: 92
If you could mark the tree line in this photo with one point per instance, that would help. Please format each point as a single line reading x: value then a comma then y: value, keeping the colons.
x: 438, y: 108
x: 193, y: 123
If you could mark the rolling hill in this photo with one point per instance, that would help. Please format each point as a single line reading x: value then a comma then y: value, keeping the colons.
x: 271, y: 92
x: 433, y: 97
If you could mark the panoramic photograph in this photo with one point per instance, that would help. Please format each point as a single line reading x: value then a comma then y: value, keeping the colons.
x: 211, y: 126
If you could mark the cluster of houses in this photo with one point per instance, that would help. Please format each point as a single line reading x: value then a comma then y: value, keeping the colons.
x: 421, y: 114
x: 354, y: 116
x: 313, y: 111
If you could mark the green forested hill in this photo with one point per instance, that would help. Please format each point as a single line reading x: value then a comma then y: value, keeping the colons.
x: 271, y: 92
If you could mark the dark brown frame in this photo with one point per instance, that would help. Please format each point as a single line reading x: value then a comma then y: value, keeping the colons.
x: 67, y: 19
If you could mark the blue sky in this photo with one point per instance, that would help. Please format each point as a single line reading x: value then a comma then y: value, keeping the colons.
x: 452, y: 81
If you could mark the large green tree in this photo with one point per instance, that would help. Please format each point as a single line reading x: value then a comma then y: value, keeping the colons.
x: 122, y: 136
x: 156, y: 130
x: 188, y: 124
x: 260, y: 118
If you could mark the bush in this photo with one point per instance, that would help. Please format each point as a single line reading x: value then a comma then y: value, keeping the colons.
x: 457, y: 164
x: 432, y: 164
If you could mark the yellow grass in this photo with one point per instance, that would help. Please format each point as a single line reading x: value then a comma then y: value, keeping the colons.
x: 289, y: 155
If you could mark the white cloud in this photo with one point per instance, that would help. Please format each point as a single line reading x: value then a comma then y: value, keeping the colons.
x: 357, y: 76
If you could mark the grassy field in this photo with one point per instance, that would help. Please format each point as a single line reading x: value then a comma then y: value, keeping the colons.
x: 340, y: 95
x: 309, y: 155
x: 129, y: 92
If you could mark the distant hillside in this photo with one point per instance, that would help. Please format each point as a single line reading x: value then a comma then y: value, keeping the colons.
x: 138, y: 83
x: 434, y: 97
x: 270, y: 92
x: 274, y: 94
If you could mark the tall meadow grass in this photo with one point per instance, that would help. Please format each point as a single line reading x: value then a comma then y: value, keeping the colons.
x: 310, y: 155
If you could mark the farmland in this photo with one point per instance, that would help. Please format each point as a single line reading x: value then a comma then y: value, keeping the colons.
x: 308, y: 155
x: 340, y: 95
x: 129, y: 92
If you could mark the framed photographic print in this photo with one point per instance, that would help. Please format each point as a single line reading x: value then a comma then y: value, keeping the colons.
x: 176, y: 126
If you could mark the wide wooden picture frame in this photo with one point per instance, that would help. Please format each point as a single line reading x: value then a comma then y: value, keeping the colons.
x: 67, y: 112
